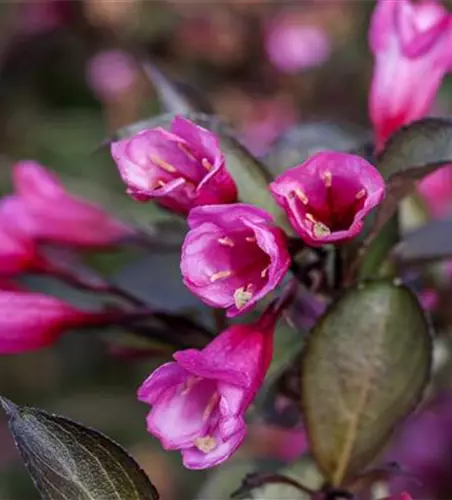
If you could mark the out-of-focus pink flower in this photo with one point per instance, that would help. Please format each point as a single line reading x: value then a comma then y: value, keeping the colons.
x: 267, y: 120
x: 436, y: 190
x: 17, y: 251
x: 43, y: 15
x: 233, y: 256
x: 277, y: 442
x: 292, y: 47
x: 44, y: 210
x: 180, y: 169
x: 411, y: 44
x: 199, y: 401
x: 110, y: 73
x: 402, y: 496
x: 429, y: 299
x: 422, y: 448
x: 327, y: 197
x: 29, y: 321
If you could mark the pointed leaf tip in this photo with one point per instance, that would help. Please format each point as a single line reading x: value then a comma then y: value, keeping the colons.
x: 9, y: 407
x: 67, y: 460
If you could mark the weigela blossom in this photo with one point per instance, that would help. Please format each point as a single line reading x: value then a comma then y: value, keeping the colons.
x: 233, y: 256
x: 29, y: 321
x: 411, y: 43
x: 43, y: 209
x: 327, y: 197
x: 17, y: 252
x: 180, y: 169
x: 200, y: 399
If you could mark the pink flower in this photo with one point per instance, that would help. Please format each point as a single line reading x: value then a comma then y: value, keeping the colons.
x: 233, y: 256
x: 327, y: 197
x: 411, y: 44
x: 180, y: 169
x: 17, y: 252
x: 292, y: 47
x: 199, y: 401
x: 44, y: 210
x: 110, y: 73
x: 436, y: 190
x: 29, y: 321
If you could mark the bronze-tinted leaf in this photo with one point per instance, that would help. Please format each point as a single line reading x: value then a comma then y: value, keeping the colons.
x: 365, y: 367
x: 68, y: 461
x: 431, y: 241
x: 303, y: 140
x: 176, y: 97
x: 412, y: 153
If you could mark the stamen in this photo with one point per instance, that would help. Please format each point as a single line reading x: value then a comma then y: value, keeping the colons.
x: 189, y: 384
x: 242, y: 296
x: 327, y: 178
x: 226, y: 242
x: 206, y: 164
x: 360, y: 194
x: 163, y: 164
x: 205, y: 444
x: 251, y: 239
x: 264, y: 272
x: 210, y: 406
x: 304, y: 199
x: 161, y: 183
x: 220, y: 275
x: 186, y: 151
x: 321, y: 230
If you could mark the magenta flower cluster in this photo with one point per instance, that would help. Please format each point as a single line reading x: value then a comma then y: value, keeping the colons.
x: 232, y: 257
x: 42, y: 212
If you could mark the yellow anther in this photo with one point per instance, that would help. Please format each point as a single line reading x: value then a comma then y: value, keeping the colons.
x: 321, y: 230
x: 242, y: 296
x: 304, y: 199
x: 360, y: 194
x: 226, y: 242
x: 264, y: 272
x: 205, y: 444
x: 186, y: 151
x: 211, y: 405
x: 327, y: 178
x: 163, y: 164
x: 251, y: 239
x: 160, y: 183
x: 206, y: 164
x: 220, y: 275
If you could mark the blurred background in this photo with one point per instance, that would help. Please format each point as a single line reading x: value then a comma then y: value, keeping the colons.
x: 69, y: 78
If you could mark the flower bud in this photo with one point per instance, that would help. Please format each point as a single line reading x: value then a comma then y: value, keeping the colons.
x: 411, y: 44
x: 180, y: 169
x: 200, y: 399
x: 233, y: 256
x: 327, y: 197
x: 29, y: 321
x: 46, y: 211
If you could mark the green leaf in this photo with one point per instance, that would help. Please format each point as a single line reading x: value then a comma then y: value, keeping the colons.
x: 176, y: 97
x: 250, y: 175
x: 365, y: 367
x: 412, y: 153
x: 68, y: 461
